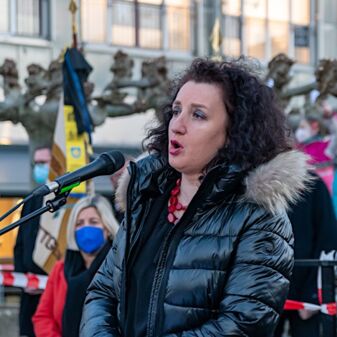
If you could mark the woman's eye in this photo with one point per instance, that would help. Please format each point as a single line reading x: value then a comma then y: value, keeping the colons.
x: 175, y: 111
x: 199, y: 114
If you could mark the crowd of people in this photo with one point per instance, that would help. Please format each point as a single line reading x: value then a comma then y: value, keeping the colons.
x: 209, y: 223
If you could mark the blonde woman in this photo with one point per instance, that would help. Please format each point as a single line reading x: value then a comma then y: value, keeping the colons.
x: 91, y: 228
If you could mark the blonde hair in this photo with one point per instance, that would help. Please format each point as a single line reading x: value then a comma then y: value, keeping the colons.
x: 104, y: 209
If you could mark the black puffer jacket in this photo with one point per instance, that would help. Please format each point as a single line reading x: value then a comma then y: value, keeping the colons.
x: 223, y: 273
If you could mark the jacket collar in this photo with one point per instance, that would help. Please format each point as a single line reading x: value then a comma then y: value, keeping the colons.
x: 273, y: 185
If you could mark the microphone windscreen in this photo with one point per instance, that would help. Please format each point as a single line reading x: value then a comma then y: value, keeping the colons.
x: 116, y: 159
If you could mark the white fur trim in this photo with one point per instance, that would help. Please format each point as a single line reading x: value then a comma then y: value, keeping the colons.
x: 279, y: 182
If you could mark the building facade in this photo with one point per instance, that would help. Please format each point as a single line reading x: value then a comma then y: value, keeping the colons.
x: 36, y: 31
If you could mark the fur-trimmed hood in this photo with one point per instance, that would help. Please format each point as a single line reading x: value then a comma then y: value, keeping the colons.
x: 273, y: 185
x: 280, y: 182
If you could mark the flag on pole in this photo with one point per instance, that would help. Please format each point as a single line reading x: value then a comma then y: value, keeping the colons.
x: 216, y: 38
x: 78, y: 123
x: 70, y: 151
x: 75, y: 72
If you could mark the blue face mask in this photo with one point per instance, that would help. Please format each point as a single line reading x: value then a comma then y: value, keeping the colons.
x: 40, y: 173
x: 89, y: 238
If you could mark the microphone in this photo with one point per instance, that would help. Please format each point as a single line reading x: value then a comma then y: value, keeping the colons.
x: 105, y: 164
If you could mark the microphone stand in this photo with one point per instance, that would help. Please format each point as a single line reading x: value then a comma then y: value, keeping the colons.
x: 51, y: 206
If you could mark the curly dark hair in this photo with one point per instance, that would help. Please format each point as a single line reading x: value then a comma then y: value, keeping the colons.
x: 257, y: 129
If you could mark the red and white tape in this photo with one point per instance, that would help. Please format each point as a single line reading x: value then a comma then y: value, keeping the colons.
x: 326, y: 308
x: 34, y: 282
x: 28, y: 281
x: 6, y: 267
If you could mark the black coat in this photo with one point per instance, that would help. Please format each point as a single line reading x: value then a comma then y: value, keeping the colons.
x: 224, y: 272
x: 23, y: 263
x: 315, y: 229
x: 78, y: 279
x: 25, y: 241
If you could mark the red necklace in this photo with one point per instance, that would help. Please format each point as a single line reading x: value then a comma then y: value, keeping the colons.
x: 174, y: 204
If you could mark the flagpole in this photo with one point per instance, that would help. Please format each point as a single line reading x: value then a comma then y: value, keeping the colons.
x: 216, y: 39
x: 73, y: 10
x: 216, y: 34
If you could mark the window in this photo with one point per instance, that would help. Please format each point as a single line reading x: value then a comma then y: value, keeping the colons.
x: 278, y: 26
x: 232, y: 37
x: 264, y: 28
x: 255, y: 27
x: 25, y: 18
x: 155, y: 24
x: 94, y: 18
x: 4, y: 22
x: 329, y: 28
x: 300, y: 20
x: 256, y: 37
x: 149, y: 25
x: 179, y: 24
x: 123, y: 23
x: 231, y: 42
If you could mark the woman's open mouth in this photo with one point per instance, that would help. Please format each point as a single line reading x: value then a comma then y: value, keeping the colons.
x: 175, y: 148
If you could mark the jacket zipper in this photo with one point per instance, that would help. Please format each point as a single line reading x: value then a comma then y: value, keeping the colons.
x: 158, y: 278
x: 158, y: 293
x: 128, y: 250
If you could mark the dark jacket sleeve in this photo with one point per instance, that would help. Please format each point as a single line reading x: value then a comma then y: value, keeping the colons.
x: 22, y: 250
x: 258, y: 282
x: 315, y: 230
x: 19, y: 253
x: 324, y: 219
x: 19, y: 249
x: 99, y: 317
x: 25, y: 241
x: 325, y: 231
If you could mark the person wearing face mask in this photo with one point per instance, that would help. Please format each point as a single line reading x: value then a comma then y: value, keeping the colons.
x: 311, y: 138
x: 90, y: 231
x: 303, y: 133
x: 40, y: 172
x: 25, y: 243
